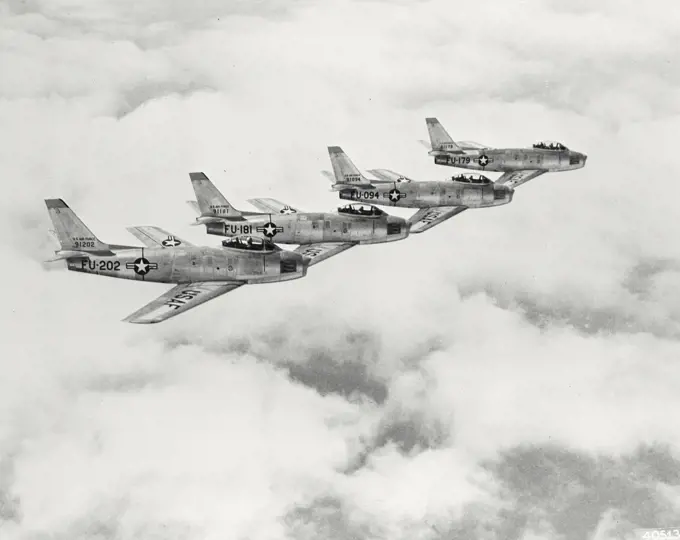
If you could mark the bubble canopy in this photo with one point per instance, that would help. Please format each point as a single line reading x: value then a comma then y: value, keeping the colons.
x: 477, y: 179
x: 550, y: 145
x: 250, y: 243
x: 360, y: 210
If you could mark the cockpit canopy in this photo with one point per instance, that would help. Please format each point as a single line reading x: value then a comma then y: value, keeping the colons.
x: 360, y: 210
x: 466, y: 178
x: 550, y: 145
x: 250, y: 243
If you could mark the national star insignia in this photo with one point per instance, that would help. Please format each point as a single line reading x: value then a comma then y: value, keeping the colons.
x: 483, y: 160
x: 141, y: 266
x: 395, y: 195
x: 170, y: 241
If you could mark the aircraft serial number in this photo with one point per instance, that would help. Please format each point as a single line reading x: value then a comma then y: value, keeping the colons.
x: 100, y: 265
x: 182, y: 298
x: 83, y: 244
x: 367, y: 195
x: 238, y: 229
x: 221, y: 209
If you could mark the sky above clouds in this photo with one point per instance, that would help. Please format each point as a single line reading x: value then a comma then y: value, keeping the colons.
x: 510, y: 374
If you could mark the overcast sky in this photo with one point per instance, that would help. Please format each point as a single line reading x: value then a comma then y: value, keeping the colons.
x: 511, y: 374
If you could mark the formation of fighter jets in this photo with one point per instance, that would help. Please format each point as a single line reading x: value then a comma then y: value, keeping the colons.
x: 249, y: 255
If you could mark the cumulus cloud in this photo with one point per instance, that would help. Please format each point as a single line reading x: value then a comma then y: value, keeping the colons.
x: 509, y: 374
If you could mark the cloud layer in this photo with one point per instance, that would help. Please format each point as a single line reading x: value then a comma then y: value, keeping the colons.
x: 510, y: 374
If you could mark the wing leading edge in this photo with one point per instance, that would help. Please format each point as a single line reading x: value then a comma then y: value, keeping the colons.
x: 180, y: 299
x: 517, y: 178
x: 322, y: 251
x: 426, y: 218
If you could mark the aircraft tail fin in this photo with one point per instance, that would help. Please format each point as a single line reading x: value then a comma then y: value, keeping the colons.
x: 345, y: 172
x: 211, y: 202
x: 439, y: 137
x: 74, y: 238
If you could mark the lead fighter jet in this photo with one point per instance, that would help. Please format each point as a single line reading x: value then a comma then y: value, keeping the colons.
x: 353, y: 223
x: 546, y: 156
x: 201, y: 273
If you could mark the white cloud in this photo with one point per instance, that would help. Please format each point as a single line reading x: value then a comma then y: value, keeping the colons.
x: 554, y: 319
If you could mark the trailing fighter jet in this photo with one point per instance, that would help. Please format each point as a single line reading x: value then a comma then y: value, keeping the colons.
x: 201, y: 273
x: 356, y: 223
x: 438, y: 200
x: 546, y: 156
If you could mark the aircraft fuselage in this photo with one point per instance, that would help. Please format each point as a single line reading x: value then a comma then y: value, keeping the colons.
x: 311, y: 228
x: 429, y: 194
x: 511, y: 159
x: 195, y: 264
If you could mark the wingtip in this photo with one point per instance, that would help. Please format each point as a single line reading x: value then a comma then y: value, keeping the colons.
x: 197, y: 176
x: 335, y: 150
x: 432, y: 120
x: 56, y: 203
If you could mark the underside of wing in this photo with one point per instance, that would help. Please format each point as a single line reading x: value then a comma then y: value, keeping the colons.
x: 155, y: 237
x: 426, y: 218
x: 180, y: 299
x: 386, y: 175
x: 320, y: 252
x: 517, y: 178
x: 272, y: 206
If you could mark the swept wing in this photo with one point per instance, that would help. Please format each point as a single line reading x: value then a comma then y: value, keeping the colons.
x: 322, y: 251
x: 272, y: 206
x: 517, y: 178
x: 155, y: 237
x: 426, y: 218
x: 180, y: 299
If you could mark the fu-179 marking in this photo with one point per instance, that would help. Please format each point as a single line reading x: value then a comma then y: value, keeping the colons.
x: 200, y: 273
x: 545, y: 156
x: 354, y: 223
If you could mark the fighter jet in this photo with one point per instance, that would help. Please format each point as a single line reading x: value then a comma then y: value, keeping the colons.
x: 546, y: 156
x: 356, y: 223
x: 438, y: 200
x: 201, y: 273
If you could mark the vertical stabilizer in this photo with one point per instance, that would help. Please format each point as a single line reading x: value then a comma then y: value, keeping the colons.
x: 70, y: 231
x: 344, y: 170
x: 211, y: 202
x: 439, y: 137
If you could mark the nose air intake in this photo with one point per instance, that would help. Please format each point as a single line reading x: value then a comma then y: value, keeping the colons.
x: 288, y: 266
x: 393, y: 228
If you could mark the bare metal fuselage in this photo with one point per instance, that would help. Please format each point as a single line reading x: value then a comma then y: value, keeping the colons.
x: 311, y: 228
x: 195, y: 264
x: 512, y: 159
x: 430, y: 194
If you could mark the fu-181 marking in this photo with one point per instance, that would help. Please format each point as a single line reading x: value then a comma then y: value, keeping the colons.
x: 356, y: 223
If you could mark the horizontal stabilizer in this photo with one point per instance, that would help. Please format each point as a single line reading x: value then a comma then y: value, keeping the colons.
x: 155, y: 237
x: 194, y: 206
x: 340, y: 187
